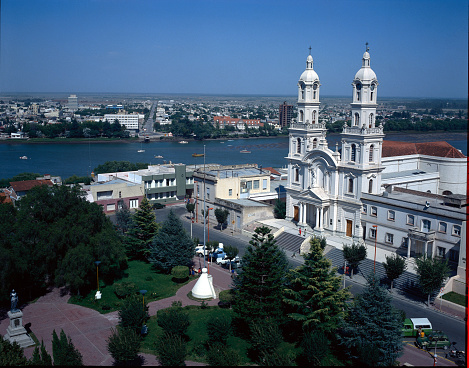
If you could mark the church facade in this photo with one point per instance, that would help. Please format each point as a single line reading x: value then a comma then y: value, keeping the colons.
x: 407, y: 197
x: 325, y: 184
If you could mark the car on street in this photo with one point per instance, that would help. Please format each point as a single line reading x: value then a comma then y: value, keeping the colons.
x: 413, y: 325
x: 226, y: 260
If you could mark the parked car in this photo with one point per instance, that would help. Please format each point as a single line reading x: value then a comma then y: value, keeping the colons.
x: 199, y: 250
x: 438, y: 338
x: 412, y: 326
x: 226, y: 260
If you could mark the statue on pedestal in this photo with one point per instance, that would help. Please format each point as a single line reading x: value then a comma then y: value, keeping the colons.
x: 14, y: 301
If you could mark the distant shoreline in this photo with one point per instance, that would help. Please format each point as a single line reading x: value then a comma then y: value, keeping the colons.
x: 451, y: 135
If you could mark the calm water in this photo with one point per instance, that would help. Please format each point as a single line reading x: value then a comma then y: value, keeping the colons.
x: 66, y: 160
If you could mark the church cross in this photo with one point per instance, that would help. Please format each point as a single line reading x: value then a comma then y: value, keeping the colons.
x: 367, y: 48
x: 310, y: 50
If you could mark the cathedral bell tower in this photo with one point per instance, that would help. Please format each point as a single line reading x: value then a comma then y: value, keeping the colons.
x: 362, y: 141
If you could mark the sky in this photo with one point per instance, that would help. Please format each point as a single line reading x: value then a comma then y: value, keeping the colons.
x: 418, y: 48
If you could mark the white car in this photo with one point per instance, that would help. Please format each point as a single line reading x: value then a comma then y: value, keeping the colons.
x: 199, y: 250
x: 226, y: 260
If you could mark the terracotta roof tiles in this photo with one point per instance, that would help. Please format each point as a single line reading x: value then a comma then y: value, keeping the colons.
x: 25, y: 185
x: 439, y: 149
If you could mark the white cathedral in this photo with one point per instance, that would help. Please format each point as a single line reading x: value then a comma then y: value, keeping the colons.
x: 406, y: 196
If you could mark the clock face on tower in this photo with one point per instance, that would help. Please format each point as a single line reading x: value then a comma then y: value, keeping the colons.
x: 315, y: 87
x: 372, y: 87
x: 359, y: 86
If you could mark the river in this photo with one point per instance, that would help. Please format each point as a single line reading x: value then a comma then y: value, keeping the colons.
x: 80, y: 159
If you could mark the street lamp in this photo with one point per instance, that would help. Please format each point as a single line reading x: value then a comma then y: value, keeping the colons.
x: 98, y: 293
x: 143, y: 292
x: 376, y: 237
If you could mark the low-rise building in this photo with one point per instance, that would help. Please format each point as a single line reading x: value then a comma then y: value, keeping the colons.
x: 112, y: 193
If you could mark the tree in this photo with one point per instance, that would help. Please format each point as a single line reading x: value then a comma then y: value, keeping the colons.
x: 280, y: 209
x: 40, y: 356
x: 63, y: 350
x: 218, y: 328
x: 258, y: 289
x: 315, y: 346
x: 142, y: 231
x: 231, y: 253
x: 371, y: 334
x: 123, y: 344
x: 312, y: 294
x: 431, y: 273
x: 11, y: 354
x: 172, y: 246
x: 221, y: 215
x: 123, y: 216
x: 133, y: 313
x: 354, y: 254
x: 190, y: 207
x: 173, y: 320
x: 171, y: 350
x: 394, y: 266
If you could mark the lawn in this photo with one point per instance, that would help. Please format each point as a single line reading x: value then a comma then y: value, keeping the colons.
x: 455, y: 298
x: 158, y: 286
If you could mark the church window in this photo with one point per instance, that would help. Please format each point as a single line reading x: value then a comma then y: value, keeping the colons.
x: 370, y: 186
x: 315, y: 143
x: 353, y: 153
x: 370, y: 125
x: 302, y: 92
x: 350, y: 185
x: 372, y: 148
x: 358, y: 95
x: 297, y: 175
x: 314, y: 117
x: 298, y: 145
x: 371, y: 98
x: 301, y: 116
x: 314, y: 94
x: 356, y: 119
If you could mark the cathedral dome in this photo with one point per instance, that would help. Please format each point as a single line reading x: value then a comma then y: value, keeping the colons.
x: 309, y: 76
x: 365, y: 73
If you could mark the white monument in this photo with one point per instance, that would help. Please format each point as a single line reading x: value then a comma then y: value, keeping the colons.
x: 15, y: 331
x: 203, y: 288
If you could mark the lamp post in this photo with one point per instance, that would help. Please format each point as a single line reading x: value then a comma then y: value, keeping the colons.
x: 376, y: 237
x: 98, y: 293
x: 208, y: 223
x: 143, y: 292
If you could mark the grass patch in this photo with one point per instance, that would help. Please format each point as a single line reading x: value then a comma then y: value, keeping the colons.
x: 158, y: 286
x: 455, y: 298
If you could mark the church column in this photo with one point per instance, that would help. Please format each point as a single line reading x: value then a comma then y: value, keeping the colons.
x: 322, y: 218
x: 317, y: 218
x: 409, y: 245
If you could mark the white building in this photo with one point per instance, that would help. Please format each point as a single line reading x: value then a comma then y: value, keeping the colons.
x: 72, y: 102
x: 340, y: 191
x: 130, y: 121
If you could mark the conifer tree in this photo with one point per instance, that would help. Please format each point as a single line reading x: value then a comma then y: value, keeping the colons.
x: 64, y: 352
x: 371, y: 334
x: 258, y: 289
x: 123, y: 345
x: 40, y: 356
x: 133, y: 313
x: 123, y: 217
x: 11, y: 354
x: 172, y: 246
x: 142, y: 231
x: 312, y: 294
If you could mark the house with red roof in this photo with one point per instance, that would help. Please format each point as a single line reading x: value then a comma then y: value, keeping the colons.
x: 19, y: 189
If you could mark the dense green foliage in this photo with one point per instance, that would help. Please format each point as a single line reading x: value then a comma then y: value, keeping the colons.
x: 123, y: 217
x: 280, y: 209
x: 431, y: 273
x: 394, y: 267
x: 425, y: 125
x: 190, y: 207
x: 173, y: 320
x: 180, y: 272
x: 221, y: 216
x: 64, y: 352
x: 172, y: 246
x: 354, y: 254
x: 123, y: 344
x: 258, y: 289
x: 133, y: 313
x: 312, y: 295
x: 371, y: 333
x: 219, y: 328
x: 171, y: 350
x: 54, y: 234
x: 40, y: 356
x: 141, y: 232
x: 74, y: 179
x: 315, y: 347
x: 119, y: 166
x: 219, y: 355
x: 11, y: 354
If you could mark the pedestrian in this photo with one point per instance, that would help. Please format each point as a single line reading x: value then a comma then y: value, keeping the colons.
x: 304, y: 232
x: 299, y: 230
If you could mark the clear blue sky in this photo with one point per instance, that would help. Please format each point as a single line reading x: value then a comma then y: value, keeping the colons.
x: 419, y: 48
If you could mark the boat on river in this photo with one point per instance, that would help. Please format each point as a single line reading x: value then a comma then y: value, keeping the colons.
x: 159, y: 156
x: 183, y: 142
x: 198, y: 155
x: 23, y: 157
x: 244, y: 151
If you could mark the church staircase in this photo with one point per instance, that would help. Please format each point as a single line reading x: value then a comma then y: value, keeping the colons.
x: 289, y: 242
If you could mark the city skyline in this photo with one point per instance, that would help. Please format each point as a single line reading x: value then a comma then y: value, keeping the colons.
x: 232, y: 47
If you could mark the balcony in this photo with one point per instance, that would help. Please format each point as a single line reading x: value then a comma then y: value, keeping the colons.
x: 424, y: 236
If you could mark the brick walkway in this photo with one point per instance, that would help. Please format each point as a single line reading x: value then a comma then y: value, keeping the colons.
x: 89, y: 329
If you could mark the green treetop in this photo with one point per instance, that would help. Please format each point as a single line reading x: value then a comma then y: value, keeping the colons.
x: 371, y: 333
x: 258, y: 289
x: 312, y: 295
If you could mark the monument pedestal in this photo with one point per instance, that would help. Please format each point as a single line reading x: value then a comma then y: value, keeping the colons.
x: 16, y: 332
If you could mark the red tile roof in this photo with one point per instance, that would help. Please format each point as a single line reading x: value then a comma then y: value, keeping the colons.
x: 439, y: 149
x: 272, y: 170
x: 25, y: 185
